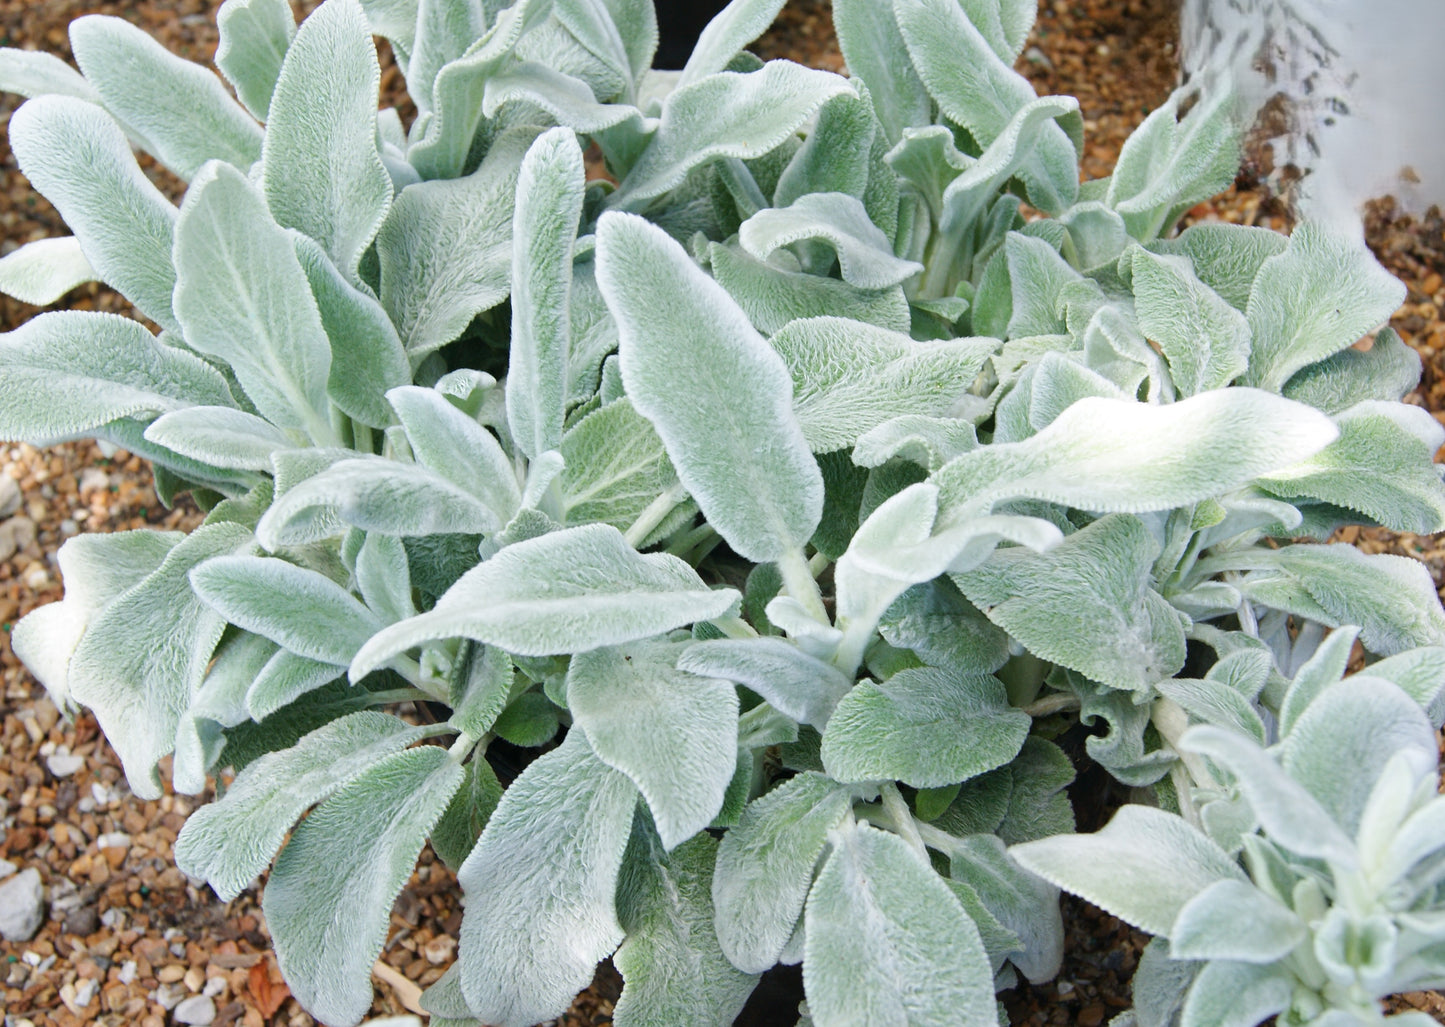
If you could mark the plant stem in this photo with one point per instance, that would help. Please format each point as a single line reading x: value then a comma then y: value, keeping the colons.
x: 936, y: 839
x: 733, y: 626
x: 655, y: 513
x: 1059, y: 702
x: 399, y: 695
x: 799, y: 583
x: 902, y: 818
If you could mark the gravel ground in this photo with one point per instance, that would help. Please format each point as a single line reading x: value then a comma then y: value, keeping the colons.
x: 125, y: 938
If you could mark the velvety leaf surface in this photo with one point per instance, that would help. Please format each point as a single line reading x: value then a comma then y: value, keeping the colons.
x: 179, y: 111
x: 765, y: 867
x: 328, y: 898
x: 322, y: 174
x: 925, y: 727
x: 674, y: 733
x: 565, y: 592
x: 230, y: 841
x: 672, y: 966
x: 540, y: 887
x: 67, y: 373
x: 886, y: 941
x: 718, y: 395
x: 78, y: 158
x: 1143, y: 867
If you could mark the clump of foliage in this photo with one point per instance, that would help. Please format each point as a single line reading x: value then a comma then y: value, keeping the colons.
x: 706, y: 554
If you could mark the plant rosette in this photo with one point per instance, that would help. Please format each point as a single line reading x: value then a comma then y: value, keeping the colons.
x: 706, y: 558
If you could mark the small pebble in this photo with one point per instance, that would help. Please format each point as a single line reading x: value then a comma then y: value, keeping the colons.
x: 9, y: 495
x: 168, y: 996
x: 22, y: 906
x: 63, y: 764
x: 197, y: 1010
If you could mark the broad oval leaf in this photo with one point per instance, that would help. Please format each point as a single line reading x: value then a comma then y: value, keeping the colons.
x: 459, y: 449
x: 1143, y: 867
x: 241, y: 296
x: 179, y: 111
x: 795, y: 684
x: 925, y: 727
x: 718, y: 395
x: 328, y: 898
x: 255, y: 35
x: 41, y: 272
x: 78, y: 158
x: 865, y: 255
x: 219, y: 436
x: 65, y: 374
x: 300, y: 609
x: 137, y: 668
x: 230, y: 841
x: 886, y: 941
x: 765, y: 867
x: 564, y: 592
x: 540, y: 887
x: 1109, y: 456
x: 675, y: 734
x: 374, y: 494
x: 1313, y: 300
x: 728, y: 114
x: 446, y: 248
x: 322, y: 174
x: 1231, y: 920
x: 848, y: 378
x: 672, y: 966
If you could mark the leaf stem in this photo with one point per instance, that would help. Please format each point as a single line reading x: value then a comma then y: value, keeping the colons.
x: 383, y: 698
x: 799, y: 583
x: 654, y: 514
x: 936, y: 838
x: 902, y: 817
x: 411, y: 670
x: 733, y: 626
x: 1059, y: 702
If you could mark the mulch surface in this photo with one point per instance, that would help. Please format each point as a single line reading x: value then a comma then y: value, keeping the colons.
x: 128, y: 938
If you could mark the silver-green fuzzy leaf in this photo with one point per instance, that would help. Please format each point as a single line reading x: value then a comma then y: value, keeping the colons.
x: 179, y: 111
x: 718, y: 395
x: 544, y: 228
x: 1088, y: 604
x: 673, y: 969
x: 446, y: 249
x: 297, y: 608
x: 230, y: 841
x: 255, y: 35
x: 322, y: 173
x: 925, y: 727
x: 1143, y: 867
x: 887, y: 942
x: 78, y: 158
x: 1313, y: 300
x: 41, y: 272
x: 565, y: 592
x: 675, y: 734
x: 765, y: 867
x: 328, y: 898
x: 540, y: 887
x: 141, y: 658
x: 65, y: 374
x: 241, y: 296
x: 848, y: 378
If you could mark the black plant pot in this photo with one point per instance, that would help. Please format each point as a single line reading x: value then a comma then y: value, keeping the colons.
x: 679, y: 23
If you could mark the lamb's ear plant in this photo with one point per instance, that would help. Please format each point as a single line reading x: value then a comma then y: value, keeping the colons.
x: 708, y: 557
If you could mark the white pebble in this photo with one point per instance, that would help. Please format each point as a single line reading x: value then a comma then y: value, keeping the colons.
x: 63, y: 764
x: 198, y: 1010
x: 22, y: 906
